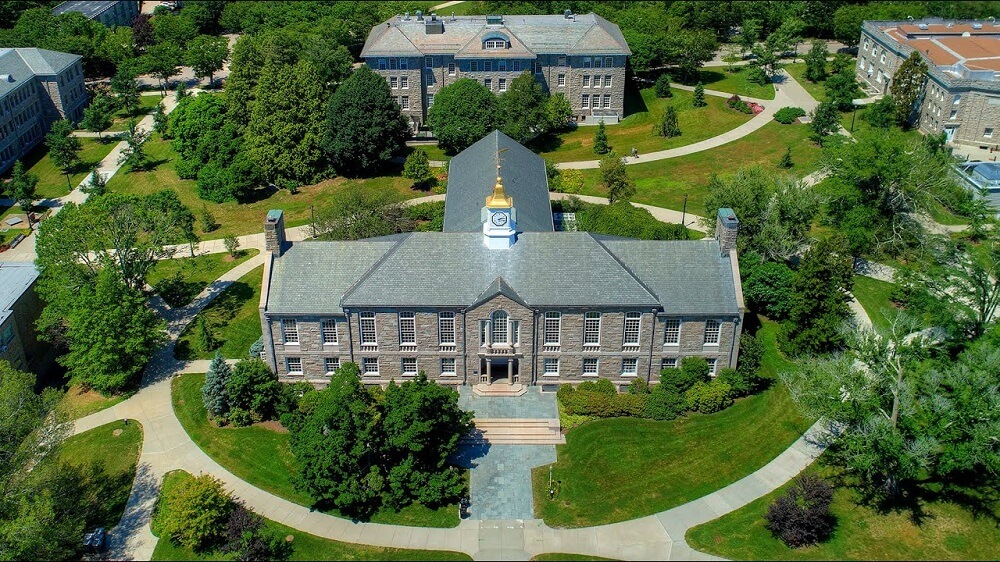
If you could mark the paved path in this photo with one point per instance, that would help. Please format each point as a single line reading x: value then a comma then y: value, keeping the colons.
x: 500, y: 482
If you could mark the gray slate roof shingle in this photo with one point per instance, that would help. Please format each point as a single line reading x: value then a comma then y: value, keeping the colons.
x: 15, y: 278
x: 473, y: 173
x: 22, y: 65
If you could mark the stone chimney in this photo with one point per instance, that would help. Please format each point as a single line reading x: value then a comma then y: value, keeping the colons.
x: 726, y: 228
x: 274, y: 232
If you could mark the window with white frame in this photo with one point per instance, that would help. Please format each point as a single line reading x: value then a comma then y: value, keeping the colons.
x: 329, y: 329
x: 516, y: 66
x: 448, y: 367
x: 393, y: 82
x: 407, y: 328
x: 668, y: 363
x: 451, y: 69
x: 405, y: 102
x: 367, y: 320
x: 881, y: 59
x: 590, y: 365
x: 515, y: 332
x: 608, y: 62
x: 494, y: 44
x: 404, y: 82
x: 428, y: 62
x: 369, y: 366
x: 607, y: 80
x: 630, y: 366
x: 382, y: 65
x: 552, y: 323
x: 988, y: 132
x: 409, y: 366
x: 446, y: 328
x: 631, y: 328
x: 331, y: 364
x: 711, y: 332
x: 498, y: 329
x: 954, y: 114
x: 672, y: 331
x: 538, y: 67
x: 293, y: 365
x: 712, y: 364
x: 585, y: 101
x: 488, y: 84
x: 561, y: 60
x: 597, y: 81
x: 592, y: 329
x: 550, y: 367
x: 393, y: 64
x: 488, y: 66
x: 607, y: 101
x: 502, y: 85
x: 430, y: 101
x: 502, y: 65
x: 586, y: 81
x: 290, y: 331
x: 561, y: 80
x: 958, y: 98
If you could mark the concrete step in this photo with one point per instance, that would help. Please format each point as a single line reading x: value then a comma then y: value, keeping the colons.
x: 513, y: 431
x: 548, y: 440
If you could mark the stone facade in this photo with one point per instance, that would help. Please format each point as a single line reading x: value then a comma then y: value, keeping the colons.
x: 19, y: 344
x: 962, y: 103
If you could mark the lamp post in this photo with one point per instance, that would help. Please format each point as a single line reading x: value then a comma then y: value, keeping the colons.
x: 853, y: 115
x: 684, y: 211
x: 312, y: 212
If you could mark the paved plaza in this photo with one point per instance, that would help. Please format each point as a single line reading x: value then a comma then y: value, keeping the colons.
x: 500, y: 479
x: 533, y: 405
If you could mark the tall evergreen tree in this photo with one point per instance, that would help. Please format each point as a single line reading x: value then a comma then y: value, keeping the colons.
x: 816, y: 62
x: 667, y: 127
x: 213, y: 392
x: 907, y: 83
x: 160, y: 122
x: 601, y: 145
x: 699, y: 96
x: 64, y: 148
x: 819, y: 305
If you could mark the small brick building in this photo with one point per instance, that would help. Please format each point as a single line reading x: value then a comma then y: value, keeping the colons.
x: 500, y: 295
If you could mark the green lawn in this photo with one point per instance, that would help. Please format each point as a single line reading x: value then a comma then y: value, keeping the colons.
x: 947, y: 532
x: 246, y: 217
x: 636, y: 130
x: 51, y: 180
x: 304, y: 545
x: 147, y: 104
x: 115, y: 447
x: 559, y: 556
x: 77, y: 402
x: 263, y: 457
x: 798, y: 72
x: 874, y: 298
x: 233, y: 317
x: 623, y: 468
x: 180, y: 280
x: 665, y: 183
x: 735, y: 83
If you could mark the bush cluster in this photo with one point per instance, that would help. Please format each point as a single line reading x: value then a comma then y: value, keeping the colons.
x: 802, y: 516
x: 787, y: 115
x: 739, y: 105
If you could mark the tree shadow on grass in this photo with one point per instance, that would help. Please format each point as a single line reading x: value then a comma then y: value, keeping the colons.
x: 706, y: 77
x: 634, y: 103
x: 222, y: 310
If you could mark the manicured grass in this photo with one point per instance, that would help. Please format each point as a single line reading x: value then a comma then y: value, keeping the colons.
x: 304, y: 545
x: 192, y: 274
x: 945, y: 532
x: 115, y: 448
x: 264, y: 458
x: 874, y: 298
x: 665, y: 183
x: 735, y: 83
x: 246, y: 217
x: 636, y: 130
x: 77, y: 402
x: 622, y: 468
x: 147, y: 104
x: 557, y: 556
x: 798, y: 72
x: 233, y: 317
x: 51, y: 180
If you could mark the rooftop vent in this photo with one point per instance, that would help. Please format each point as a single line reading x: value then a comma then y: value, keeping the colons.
x: 434, y: 26
x: 453, y: 16
x: 494, y: 20
x: 922, y: 25
x: 966, y: 34
x: 6, y: 78
x: 420, y: 16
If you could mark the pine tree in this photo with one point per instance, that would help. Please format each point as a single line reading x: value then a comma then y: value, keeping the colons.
x: 667, y: 127
x: 907, y: 83
x: 213, y: 392
x: 160, y: 121
x: 206, y: 339
x: 786, y: 160
x: 601, y: 145
x: 816, y: 62
x: 98, y: 183
x: 699, y: 96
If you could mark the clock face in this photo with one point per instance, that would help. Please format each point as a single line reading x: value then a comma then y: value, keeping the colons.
x: 499, y: 219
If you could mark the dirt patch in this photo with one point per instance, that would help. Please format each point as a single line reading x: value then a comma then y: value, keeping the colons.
x: 274, y: 426
x: 116, y: 432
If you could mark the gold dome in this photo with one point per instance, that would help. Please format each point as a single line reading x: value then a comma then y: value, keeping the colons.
x: 499, y: 199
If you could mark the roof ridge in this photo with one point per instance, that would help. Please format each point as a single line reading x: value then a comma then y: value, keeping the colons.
x: 626, y: 268
x: 371, y: 270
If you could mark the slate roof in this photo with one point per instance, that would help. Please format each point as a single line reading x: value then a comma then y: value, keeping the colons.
x: 473, y: 173
x: 18, y: 66
x: 587, y: 34
x: 15, y: 279
x: 89, y: 8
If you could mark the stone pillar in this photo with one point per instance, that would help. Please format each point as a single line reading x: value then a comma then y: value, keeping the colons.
x: 510, y: 371
x: 274, y: 232
x: 489, y: 371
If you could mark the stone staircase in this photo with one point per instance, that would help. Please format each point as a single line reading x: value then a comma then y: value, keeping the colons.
x: 515, y: 431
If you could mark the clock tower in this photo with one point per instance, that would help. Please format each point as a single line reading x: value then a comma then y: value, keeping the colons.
x: 498, y: 216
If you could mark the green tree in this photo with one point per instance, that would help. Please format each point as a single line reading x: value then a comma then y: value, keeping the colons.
x: 615, y: 179
x: 24, y: 410
x: 416, y: 168
x: 333, y: 62
x: 816, y: 62
x: 601, y: 145
x: 662, y: 86
x: 207, y: 220
x: 232, y: 244
x: 463, y: 112
x: 667, y: 127
x: 364, y: 127
x: 881, y: 114
x: 698, y: 100
x: 253, y: 389
x: 819, y: 307
x: 559, y: 112
x: 524, y: 107
x: 98, y: 182
x: 98, y: 116
x: 285, y: 132
x: 906, y: 87
x: 21, y: 187
x: 786, y: 159
x: 689, y: 49
x: 825, y: 121
x: 362, y: 212
x: 160, y: 121
x: 205, y: 336
x: 162, y: 60
x: 751, y: 32
x: 194, y: 513
x: 125, y: 86
x: 174, y: 29
x: 134, y: 154
x: 767, y: 286
x: 64, y: 148
x: 206, y: 55
x: 841, y: 89
x: 847, y: 22
x: 213, y: 392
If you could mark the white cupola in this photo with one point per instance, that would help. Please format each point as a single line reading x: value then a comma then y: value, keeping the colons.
x: 499, y: 218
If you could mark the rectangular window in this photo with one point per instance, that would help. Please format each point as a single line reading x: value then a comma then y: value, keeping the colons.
x: 484, y: 330
x: 630, y: 366
x: 515, y: 332
x: 430, y: 101
x: 405, y: 102
x: 672, y: 332
x: 881, y: 59
x: 393, y: 82
x: 632, y: 328
x: 368, y: 328
x: 587, y: 63
x: 958, y: 98
x: 712, y: 363
x: 488, y: 83
x: 488, y: 66
x: 428, y: 62
x: 585, y: 101
x: 331, y: 364
x: 550, y: 367
x: 954, y: 114
x: 407, y: 328
x: 502, y: 65
x: 404, y: 82
x: 451, y: 69
x: 607, y: 80
x: 393, y: 64
x: 538, y: 67
x: 988, y: 132
x: 446, y: 328
x: 668, y: 363
x: 608, y: 62
x: 293, y: 365
x: 586, y: 81
x: 592, y: 328
x: 498, y: 331
x: 290, y: 330
x: 561, y: 61
x: 369, y: 366
x: 403, y: 64
x: 590, y: 367
x: 329, y: 331
x: 597, y: 81
x: 516, y: 66
x: 502, y: 84
x: 409, y: 367
x: 607, y: 101
x: 561, y: 80
x: 448, y: 367
x: 711, y: 332
x: 553, y: 320
x: 474, y: 66
x: 382, y: 64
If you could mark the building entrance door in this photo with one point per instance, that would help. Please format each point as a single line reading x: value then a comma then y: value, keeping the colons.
x: 499, y: 370
x: 949, y: 133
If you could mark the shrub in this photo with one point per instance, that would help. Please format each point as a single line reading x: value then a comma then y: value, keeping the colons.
x: 638, y: 386
x: 249, y: 539
x: 768, y: 289
x: 564, y: 393
x: 709, y: 397
x: 571, y: 181
x: 664, y: 403
x: 622, y: 219
x: 802, y: 516
x: 214, y: 183
x: 605, y: 386
x: 662, y: 86
x: 194, y: 513
x: 738, y: 104
x: 787, y: 115
x: 751, y: 355
x: 187, y: 169
x: 628, y: 405
x: 741, y: 384
x: 254, y: 393
x: 680, y: 380
x: 696, y: 368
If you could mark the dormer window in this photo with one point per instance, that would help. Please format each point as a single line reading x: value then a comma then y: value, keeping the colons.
x: 495, y: 40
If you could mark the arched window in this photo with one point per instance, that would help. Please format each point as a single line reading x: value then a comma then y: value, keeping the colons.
x: 498, y: 331
x: 494, y: 41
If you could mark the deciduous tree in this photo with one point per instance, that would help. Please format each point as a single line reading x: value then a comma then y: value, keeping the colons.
x: 523, y: 108
x: 98, y: 116
x: 195, y: 512
x: 816, y: 62
x: 206, y: 55
x: 463, y: 112
x: 134, y: 154
x: 417, y: 168
x: 615, y: 179
x: 64, y: 148
x: 360, y: 212
x: 162, y: 60
x: 126, y: 88
x: 22, y: 186
x: 907, y: 84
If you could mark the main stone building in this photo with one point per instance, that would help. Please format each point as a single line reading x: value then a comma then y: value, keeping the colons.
x: 499, y: 295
